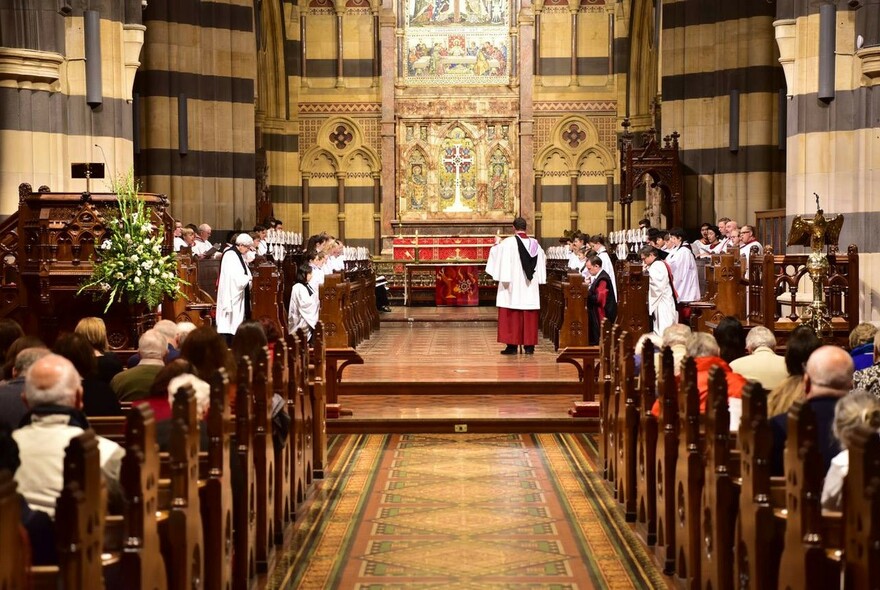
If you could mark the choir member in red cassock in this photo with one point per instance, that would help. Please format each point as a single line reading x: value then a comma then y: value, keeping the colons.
x: 601, y: 302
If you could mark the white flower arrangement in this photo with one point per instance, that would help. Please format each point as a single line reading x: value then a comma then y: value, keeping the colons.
x: 123, y: 271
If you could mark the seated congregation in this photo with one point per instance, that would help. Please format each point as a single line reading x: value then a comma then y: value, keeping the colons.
x: 187, y: 462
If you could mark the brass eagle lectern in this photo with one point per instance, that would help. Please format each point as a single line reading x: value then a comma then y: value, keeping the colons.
x: 816, y: 233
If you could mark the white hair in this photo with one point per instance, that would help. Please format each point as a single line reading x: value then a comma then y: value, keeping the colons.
x: 53, y: 380
x: 244, y: 240
x: 676, y: 334
x: 183, y: 330
x: 168, y: 329
x: 202, y: 389
x: 760, y: 336
x: 152, y: 345
x: 702, y: 344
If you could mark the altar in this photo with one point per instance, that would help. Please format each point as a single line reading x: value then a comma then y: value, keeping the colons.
x: 445, y: 270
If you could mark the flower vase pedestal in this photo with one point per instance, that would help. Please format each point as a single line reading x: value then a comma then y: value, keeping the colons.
x: 126, y: 322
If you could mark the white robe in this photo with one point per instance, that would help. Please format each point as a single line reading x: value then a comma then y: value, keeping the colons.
x: 684, y: 273
x: 201, y: 247
x: 303, y: 310
x: 317, y: 278
x: 230, y: 292
x: 661, y: 303
x: 504, y: 265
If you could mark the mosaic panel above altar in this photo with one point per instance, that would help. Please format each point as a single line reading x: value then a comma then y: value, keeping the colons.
x: 461, y: 42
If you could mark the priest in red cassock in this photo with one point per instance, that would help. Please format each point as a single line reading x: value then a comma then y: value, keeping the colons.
x: 518, y: 264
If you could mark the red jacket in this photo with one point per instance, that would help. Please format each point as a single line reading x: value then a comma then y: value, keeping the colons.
x: 735, y: 381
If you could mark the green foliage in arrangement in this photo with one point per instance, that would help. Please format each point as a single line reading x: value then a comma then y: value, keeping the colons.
x: 129, y: 266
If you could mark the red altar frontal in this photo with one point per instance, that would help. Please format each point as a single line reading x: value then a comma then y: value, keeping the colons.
x: 452, y: 265
x: 439, y: 248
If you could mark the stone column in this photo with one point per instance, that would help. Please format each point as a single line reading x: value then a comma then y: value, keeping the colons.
x: 340, y: 80
x: 388, y: 130
x: 302, y: 36
x: 340, y: 201
x: 539, y: 193
x: 574, y: 7
x: 377, y: 213
x: 526, y: 110
x: 573, y: 194
x: 609, y: 203
x: 376, y: 45
x: 305, y: 206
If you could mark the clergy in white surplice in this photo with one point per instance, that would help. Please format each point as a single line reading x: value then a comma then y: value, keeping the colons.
x: 518, y: 264
x: 233, y: 288
x: 661, y: 297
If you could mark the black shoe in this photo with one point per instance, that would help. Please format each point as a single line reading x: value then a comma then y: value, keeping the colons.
x: 385, y: 309
x: 511, y: 349
x: 529, y: 349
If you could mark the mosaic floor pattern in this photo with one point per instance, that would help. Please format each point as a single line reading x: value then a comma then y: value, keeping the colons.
x: 464, y: 511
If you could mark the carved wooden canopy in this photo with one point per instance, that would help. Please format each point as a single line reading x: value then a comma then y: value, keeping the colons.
x: 659, y: 162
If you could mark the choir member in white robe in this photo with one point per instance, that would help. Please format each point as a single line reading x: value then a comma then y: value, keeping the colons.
x: 317, y: 263
x: 511, y: 262
x: 233, y: 288
x: 661, y: 299
x: 684, y: 267
x: 304, y: 304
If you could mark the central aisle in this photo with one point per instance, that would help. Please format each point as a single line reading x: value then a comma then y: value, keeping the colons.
x: 491, y: 511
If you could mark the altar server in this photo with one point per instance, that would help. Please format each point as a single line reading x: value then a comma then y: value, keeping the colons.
x: 234, y: 286
x: 518, y: 264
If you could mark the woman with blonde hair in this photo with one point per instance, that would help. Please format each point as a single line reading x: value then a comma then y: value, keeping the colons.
x: 857, y: 408
x: 801, y: 343
x: 95, y: 332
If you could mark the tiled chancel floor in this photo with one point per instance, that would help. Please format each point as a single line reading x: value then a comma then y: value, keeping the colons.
x: 419, y: 366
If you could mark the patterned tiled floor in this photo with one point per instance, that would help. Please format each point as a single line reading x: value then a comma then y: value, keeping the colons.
x: 464, y: 512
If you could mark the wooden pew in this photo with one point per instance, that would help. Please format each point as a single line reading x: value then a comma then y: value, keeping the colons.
x: 632, y: 303
x: 666, y: 461
x: 193, y: 304
x: 14, y: 565
x: 758, y: 543
x: 646, y: 460
x: 267, y: 295
x: 244, y: 513
x: 308, y: 415
x: 264, y: 458
x: 688, y: 481
x: 319, y: 402
x: 215, y: 495
x: 725, y: 292
x: 720, y: 499
x: 627, y: 425
x: 610, y: 410
x: 297, y: 385
x: 182, y: 537
x: 142, y: 563
x: 861, y: 510
x: 339, y: 341
x: 283, y: 503
x: 805, y: 563
x: 79, y: 521
x: 606, y: 344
